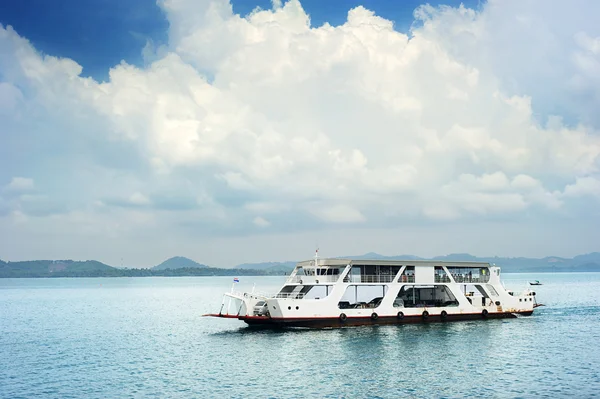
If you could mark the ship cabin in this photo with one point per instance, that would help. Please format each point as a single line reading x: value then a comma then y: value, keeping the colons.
x: 363, y: 283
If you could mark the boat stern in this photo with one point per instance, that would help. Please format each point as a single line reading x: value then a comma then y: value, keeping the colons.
x: 240, y: 305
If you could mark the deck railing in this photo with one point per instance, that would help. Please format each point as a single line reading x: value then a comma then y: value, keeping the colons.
x: 303, y: 279
x: 470, y: 279
x: 258, y: 294
x: 369, y: 278
x: 384, y: 278
x: 290, y: 295
x: 406, y: 279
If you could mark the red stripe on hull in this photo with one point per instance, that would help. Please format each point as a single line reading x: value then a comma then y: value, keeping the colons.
x: 328, y: 322
x: 225, y: 316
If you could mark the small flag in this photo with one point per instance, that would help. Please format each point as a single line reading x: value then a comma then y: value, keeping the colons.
x: 236, y: 280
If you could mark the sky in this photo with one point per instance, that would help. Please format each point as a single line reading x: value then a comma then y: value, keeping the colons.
x: 249, y: 131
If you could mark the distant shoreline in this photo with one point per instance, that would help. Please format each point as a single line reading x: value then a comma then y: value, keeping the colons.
x: 254, y: 274
x: 179, y: 266
x: 118, y: 273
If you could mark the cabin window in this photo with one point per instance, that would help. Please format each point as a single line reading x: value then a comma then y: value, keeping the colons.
x: 389, y: 272
x: 371, y: 274
x: 362, y: 296
x: 469, y: 274
x: 287, y: 289
x: 318, y: 292
x: 408, y: 275
x: 440, y: 275
x: 418, y: 296
x: 328, y: 272
x: 491, y: 289
x: 305, y: 291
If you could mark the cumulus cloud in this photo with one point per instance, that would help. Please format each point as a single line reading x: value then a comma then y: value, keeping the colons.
x: 487, y: 113
x: 583, y: 186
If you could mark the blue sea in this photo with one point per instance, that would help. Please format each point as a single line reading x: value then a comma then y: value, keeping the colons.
x: 146, y: 337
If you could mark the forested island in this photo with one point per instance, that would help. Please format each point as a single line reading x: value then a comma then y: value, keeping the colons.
x: 69, y: 268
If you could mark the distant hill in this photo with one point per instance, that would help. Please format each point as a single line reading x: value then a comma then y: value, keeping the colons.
x: 47, y: 268
x: 91, y: 268
x: 591, y: 257
x: 179, y: 262
x: 281, y: 268
x: 179, y: 266
x: 272, y: 266
x: 374, y: 255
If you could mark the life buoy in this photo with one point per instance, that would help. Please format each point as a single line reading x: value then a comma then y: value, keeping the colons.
x: 343, y: 317
x: 497, y: 303
x: 484, y: 313
x: 400, y: 315
x: 300, y: 281
x: 374, y: 316
x: 444, y: 315
x: 425, y: 314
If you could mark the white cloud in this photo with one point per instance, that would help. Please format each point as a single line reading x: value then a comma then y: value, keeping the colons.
x: 10, y: 98
x: 19, y: 184
x: 266, y: 207
x: 261, y: 222
x: 583, y: 186
x: 338, y: 213
x: 266, y: 115
x: 139, y: 199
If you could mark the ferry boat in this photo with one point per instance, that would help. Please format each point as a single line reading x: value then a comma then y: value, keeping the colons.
x: 331, y: 292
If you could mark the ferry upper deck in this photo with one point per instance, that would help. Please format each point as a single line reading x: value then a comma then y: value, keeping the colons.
x: 328, y: 270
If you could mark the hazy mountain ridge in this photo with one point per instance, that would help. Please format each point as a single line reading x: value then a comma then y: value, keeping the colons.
x: 177, y: 266
x: 180, y: 266
x: 287, y: 265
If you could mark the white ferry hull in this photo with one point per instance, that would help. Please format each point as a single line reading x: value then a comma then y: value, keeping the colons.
x: 342, y: 293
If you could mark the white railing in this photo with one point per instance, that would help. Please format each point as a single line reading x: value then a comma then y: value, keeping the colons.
x: 303, y: 279
x: 290, y: 295
x: 369, y: 278
x: 258, y: 294
x: 407, y: 279
x: 255, y: 294
x: 471, y: 279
